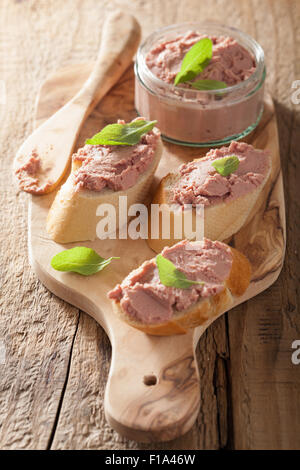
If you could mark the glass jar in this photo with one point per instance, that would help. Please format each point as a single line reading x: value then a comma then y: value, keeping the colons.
x: 195, y: 117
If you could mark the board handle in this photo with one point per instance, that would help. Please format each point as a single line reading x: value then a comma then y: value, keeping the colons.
x: 152, y: 393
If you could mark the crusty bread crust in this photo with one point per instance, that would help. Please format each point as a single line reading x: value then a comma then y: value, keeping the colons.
x: 72, y: 216
x: 240, y: 273
x: 205, y: 310
x: 221, y: 221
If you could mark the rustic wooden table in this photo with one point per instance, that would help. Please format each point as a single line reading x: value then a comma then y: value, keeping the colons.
x: 57, y: 358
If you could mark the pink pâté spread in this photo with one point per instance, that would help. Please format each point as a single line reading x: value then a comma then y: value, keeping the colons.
x: 115, y: 167
x: 230, y: 62
x: 28, y: 175
x: 200, y: 183
x: 144, y: 298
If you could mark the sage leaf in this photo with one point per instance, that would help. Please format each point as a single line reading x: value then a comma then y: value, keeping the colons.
x: 208, y: 84
x: 81, y: 260
x: 226, y: 165
x: 122, y: 134
x: 170, y: 276
x: 195, y: 61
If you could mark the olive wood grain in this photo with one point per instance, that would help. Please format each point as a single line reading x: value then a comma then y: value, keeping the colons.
x: 53, y: 142
x: 153, y: 385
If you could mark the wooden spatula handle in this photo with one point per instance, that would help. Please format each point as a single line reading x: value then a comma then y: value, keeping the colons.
x: 152, y: 392
x: 120, y: 38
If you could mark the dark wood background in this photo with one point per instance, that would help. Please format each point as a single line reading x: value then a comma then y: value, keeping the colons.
x: 57, y: 358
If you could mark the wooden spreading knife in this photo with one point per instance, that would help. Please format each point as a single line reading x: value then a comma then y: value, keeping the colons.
x: 43, y: 159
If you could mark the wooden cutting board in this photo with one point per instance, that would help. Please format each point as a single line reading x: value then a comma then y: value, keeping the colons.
x: 153, y: 390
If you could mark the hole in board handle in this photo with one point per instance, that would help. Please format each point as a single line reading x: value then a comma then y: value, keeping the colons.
x: 150, y: 380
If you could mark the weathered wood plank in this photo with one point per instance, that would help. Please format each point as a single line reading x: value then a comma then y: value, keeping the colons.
x: 36, y: 328
x: 265, y: 385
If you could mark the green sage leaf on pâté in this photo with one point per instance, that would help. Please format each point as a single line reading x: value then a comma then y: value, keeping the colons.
x: 195, y: 61
x: 226, y: 165
x: 122, y: 134
x: 170, y: 276
x: 208, y: 85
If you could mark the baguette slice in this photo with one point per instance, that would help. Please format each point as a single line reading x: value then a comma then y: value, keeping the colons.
x: 221, y: 221
x: 206, y: 310
x: 72, y: 216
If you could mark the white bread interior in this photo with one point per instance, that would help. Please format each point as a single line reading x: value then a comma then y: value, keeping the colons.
x: 72, y: 216
x: 205, y: 310
x: 221, y: 221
